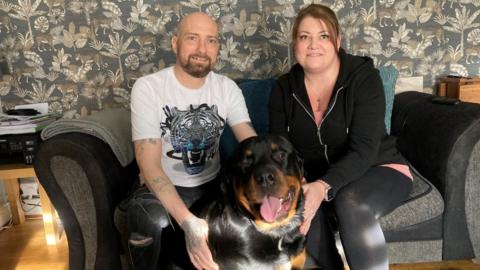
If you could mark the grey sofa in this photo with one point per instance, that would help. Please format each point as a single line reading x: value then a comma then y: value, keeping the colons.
x: 440, y: 221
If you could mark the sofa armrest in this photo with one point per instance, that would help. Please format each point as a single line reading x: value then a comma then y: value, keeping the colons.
x: 439, y: 141
x: 85, y: 182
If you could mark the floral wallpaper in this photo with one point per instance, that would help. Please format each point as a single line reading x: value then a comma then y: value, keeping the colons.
x: 82, y: 56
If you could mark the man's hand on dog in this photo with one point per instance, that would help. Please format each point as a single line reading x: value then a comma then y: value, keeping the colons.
x: 196, y: 235
x: 314, y: 194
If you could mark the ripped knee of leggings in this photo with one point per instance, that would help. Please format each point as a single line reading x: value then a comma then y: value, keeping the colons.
x: 138, y: 240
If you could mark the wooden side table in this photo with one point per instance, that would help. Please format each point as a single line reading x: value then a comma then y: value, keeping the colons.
x: 466, y: 89
x: 10, y: 173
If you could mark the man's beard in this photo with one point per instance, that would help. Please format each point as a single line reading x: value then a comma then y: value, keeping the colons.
x: 197, y: 70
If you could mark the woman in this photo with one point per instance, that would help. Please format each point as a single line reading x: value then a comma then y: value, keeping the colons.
x: 331, y: 106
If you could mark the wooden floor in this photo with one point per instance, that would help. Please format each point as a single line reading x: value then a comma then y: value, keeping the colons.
x: 23, y: 247
x: 454, y: 265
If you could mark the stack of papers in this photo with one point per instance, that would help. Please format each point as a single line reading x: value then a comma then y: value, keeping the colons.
x: 20, y: 124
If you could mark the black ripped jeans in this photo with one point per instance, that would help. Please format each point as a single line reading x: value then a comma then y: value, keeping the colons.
x: 356, y: 209
x: 146, y: 218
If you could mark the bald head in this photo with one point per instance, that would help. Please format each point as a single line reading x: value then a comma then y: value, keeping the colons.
x: 194, y: 20
x: 196, y: 45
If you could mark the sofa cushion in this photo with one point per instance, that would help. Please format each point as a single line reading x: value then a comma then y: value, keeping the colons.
x: 257, y: 94
x: 420, y: 215
x: 389, y: 76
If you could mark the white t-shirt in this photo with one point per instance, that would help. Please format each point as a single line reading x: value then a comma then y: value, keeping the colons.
x: 189, y: 122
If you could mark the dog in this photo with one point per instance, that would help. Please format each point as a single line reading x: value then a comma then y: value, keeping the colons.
x: 254, y: 223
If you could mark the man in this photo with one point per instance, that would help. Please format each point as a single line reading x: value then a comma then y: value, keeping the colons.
x: 178, y: 115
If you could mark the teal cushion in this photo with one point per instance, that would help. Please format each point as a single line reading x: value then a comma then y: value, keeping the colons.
x: 257, y: 94
x: 389, y: 76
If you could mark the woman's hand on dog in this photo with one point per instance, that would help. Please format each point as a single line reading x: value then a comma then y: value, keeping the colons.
x: 314, y: 194
x: 196, y: 235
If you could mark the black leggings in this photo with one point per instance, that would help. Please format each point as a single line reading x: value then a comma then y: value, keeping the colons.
x: 357, y: 208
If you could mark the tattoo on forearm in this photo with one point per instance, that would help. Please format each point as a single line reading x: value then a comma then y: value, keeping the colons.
x: 139, y: 146
x: 162, y: 184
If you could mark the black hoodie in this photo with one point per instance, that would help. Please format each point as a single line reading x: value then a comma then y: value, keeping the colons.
x: 351, y: 137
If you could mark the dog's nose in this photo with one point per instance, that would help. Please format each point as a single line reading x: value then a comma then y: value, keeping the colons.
x: 265, y: 179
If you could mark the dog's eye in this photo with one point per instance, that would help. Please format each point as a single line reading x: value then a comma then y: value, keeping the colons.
x: 280, y: 155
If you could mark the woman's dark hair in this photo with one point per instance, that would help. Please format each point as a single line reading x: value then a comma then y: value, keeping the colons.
x: 323, y: 13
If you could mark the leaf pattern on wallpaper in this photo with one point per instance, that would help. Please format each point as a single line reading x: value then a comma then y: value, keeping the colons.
x: 82, y: 56
x: 85, y: 8
x: 24, y: 10
x: 462, y: 22
x: 74, y: 39
x: 117, y: 48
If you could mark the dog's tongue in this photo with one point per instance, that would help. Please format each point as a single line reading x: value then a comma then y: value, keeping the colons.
x: 270, y: 208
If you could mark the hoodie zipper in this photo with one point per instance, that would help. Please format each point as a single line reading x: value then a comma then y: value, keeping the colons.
x: 325, y: 146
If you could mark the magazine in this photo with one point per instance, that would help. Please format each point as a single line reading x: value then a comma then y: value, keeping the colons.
x: 20, y: 124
